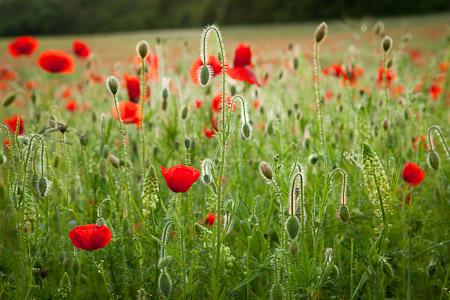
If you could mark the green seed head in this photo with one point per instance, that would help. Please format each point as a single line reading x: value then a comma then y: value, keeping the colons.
x: 112, y: 84
x: 142, y: 49
x: 343, y: 214
x: 205, y: 74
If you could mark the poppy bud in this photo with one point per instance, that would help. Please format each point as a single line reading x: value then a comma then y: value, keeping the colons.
x: 378, y: 28
x: 266, y: 170
x: 84, y: 139
x: 164, y: 262
x: 293, y: 248
x: 296, y: 63
x: 387, y: 268
x: 42, y: 186
x: 343, y: 214
x: 292, y: 226
x: 386, y: 44
x: 313, y: 159
x: 112, y: 84
x: 142, y: 49
x: 270, y: 128
x: 187, y: 144
x: 62, y: 127
x: 320, y: 33
x: 246, y: 131
x: 184, y: 112
x: 205, y: 74
x: 433, y: 160
x: 386, y: 124
x: 164, y: 103
x: 115, y: 162
x: 2, y: 159
x: 276, y: 292
x: 389, y: 63
x: 164, y: 284
x: 431, y: 268
x: 233, y: 90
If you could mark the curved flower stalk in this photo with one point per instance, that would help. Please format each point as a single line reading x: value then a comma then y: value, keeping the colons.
x: 205, y: 74
x: 164, y: 280
x: 433, y: 158
x: 342, y: 213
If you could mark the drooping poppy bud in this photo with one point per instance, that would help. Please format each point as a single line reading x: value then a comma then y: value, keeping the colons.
x: 433, y: 160
x: 266, y: 170
x: 292, y: 226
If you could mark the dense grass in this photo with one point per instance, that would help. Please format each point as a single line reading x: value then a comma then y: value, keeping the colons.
x: 395, y: 244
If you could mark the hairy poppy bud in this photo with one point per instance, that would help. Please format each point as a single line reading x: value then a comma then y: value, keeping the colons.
x: 343, y: 214
x: 112, y: 84
x: 433, y: 160
x: 164, y: 284
x: 389, y: 63
x: 84, y: 139
x: 205, y: 74
x: 386, y: 44
x: 115, y: 162
x: 276, y: 292
x: 320, y: 33
x: 62, y: 127
x: 142, y: 49
x: 431, y: 268
x: 293, y: 248
x: 296, y: 63
x: 313, y: 159
x: 246, y: 131
x: 233, y: 90
x: 292, y: 226
x: 386, y: 124
x: 266, y: 170
x: 184, y: 112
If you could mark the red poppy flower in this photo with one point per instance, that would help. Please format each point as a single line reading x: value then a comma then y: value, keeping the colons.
x: 335, y: 70
x: 412, y: 174
x: 352, y: 74
x: 81, y: 49
x: 180, y: 178
x: 56, y: 61
x: 216, y: 103
x: 130, y: 113
x: 434, y: 91
x: 71, y: 105
x: 153, y: 66
x: 12, y: 123
x: 7, y: 74
x: 210, y: 218
x: 90, y: 236
x: 213, y: 62
x: 6, y: 143
x: 242, y: 65
x: 23, y: 45
x: 209, y: 133
x: 385, y: 76
x: 198, y: 103
x: 133, y: 88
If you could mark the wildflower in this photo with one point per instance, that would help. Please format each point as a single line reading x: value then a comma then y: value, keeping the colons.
x: 6, y: 143
x: 210, y: 218
x: 216, y: 103
x: 23, y: 45
x: 180, y: 178
x: 90, y: 236
x: 130, y: 113
x: 209, y: 133
x: 412, y: 174
x: 213, y: 62
x: 242, y: 66
x: 7, y: 74
x: 385, y: 76
x: 15, y: 124
x: 71, y: 105
x: 434, y: 91
x: 81, y: 49
x: 133, y: 88
x: 56, y: 61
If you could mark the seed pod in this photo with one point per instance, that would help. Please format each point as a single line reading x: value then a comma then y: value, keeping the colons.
x: 386, y: 124
x: 164, y: 284
x: 386, y: 44
x: 266, y: 170
x: 142, y: 49
x: 184, y: 112
x: 84, y: 139
x: 205, y: 74
x: 276, y: 292
x: 433, y: 160
x: 112, y: 84
x: 233, y: 90
x: 343, y: 214
x: 115, y: 162
x: 292, y: 226
x: 313, y: 159
x: 321, y: 32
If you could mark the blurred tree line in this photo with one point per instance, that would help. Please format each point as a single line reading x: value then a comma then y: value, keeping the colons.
x: 87, y: 16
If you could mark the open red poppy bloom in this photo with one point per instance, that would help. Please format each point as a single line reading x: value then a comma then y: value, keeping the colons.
x: 385, y: 76
x: 412, y: 174
x: 71, y: 105
x: 56, y: 61
x: 216, y: 103
x: 81, y: 49
x: 352, y: 74
x: 242, y: 65
x: 23, y: 45
x: 213, y: 62
x: 90, y: 236
x: 15, y: 124
x: 334, y: 70
x: 130, y: 113
x: 210, y: 218
x: 434, y: 91
x: 133, y: 88
x: 180, y: 178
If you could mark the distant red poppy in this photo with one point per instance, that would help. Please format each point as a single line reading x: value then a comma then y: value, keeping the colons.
x: 180, y: 178
x: 6, y: 143
x: 434, y: 91
x: 419, y: 140
x: 133, y: 88
x: 210, y: 218
x: 15, y: 124
x: 71, y: 105
x: 334, y: 70
x: 130, y: 113
x: 153, y: 66
x: 56, y: 61
x: 216, y: 103
x: 81, y: 49
x: 352, y: 74
x: 23, y: 45
x: 385, y: 76
x: 412, y: 174
x: 242, y: 66
x: 209, y: 133
x: 7, y: 74
x: 213, y: 62
x: 198, y: 103
x: 90, y: 236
